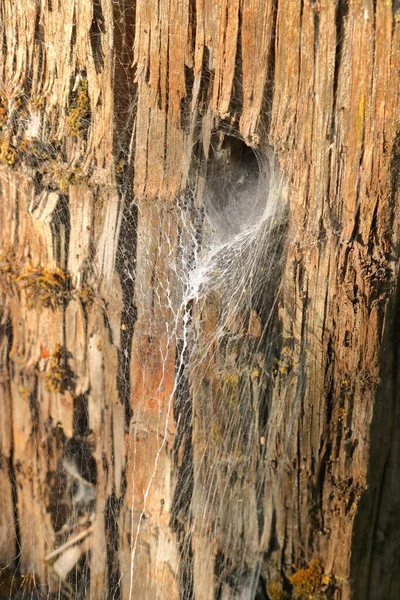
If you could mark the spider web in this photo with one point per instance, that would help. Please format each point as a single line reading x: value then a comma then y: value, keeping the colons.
x: 189, y: 309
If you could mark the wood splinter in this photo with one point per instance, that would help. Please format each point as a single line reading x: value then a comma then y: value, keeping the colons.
x: 68, y: 543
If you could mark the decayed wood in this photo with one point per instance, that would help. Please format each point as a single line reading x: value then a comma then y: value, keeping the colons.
x: 318, y: 83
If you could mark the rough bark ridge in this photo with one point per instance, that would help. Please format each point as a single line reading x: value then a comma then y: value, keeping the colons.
x: 215, y: 483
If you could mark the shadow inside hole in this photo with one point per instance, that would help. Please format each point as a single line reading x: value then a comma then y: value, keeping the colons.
x: 235, y: 197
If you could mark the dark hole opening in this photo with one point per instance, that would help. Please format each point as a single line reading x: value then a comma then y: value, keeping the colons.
x: 234, y: 196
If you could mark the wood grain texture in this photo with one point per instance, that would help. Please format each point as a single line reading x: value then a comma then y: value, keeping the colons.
x: 317, y: 83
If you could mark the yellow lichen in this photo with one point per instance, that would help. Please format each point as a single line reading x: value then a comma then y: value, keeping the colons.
x: 79, y: 111
x: 59, y: 377
x: 285, y: 362
x: 275, y: 591
x: 85, y: 294
x: 9, y: 271
x: 11, y: 107
x: 45, y: 287
x: 231, y: 388
x: 231, y: 380
x: 216, y: 434
x: 8, y: 153
x: 3, y: 110
x: 63, y: 176
x: 120, y: 166
x: 307, y: 582
x: 36, y: 103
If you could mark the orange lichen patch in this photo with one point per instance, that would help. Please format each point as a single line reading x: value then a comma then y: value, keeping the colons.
x: 307, y: 582
x: 44, y: 353
x: 44, y: 287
